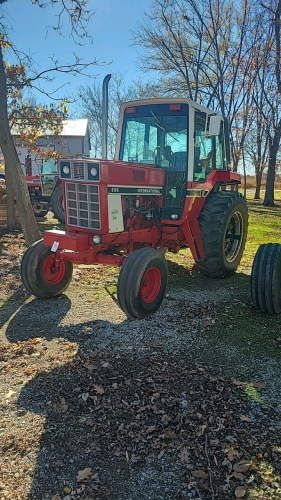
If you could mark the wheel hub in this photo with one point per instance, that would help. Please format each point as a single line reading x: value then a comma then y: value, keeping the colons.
x: 151, y: 284
x: 53, y: 270
x: 233, y: 236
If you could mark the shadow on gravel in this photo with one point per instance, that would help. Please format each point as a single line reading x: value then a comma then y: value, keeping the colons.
x: 38, y: 318
x: 124, y: 426
x: 141, y: 423
x: 11, y: 306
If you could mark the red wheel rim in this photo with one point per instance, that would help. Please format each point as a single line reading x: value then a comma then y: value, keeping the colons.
x: 53, y: 270
x: 151, y: 284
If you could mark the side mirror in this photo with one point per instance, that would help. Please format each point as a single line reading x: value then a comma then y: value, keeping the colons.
x: 215, y: 125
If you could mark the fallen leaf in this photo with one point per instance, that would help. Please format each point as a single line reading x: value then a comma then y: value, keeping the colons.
x: 237, y: 382
x: 67, y: 490
x: 232, y: 453
x: 84, y: 474
x: 61, y: 407
x: 245, y: 419
x: 184, y: 455
x: 169, y: 434
x: 56, y: 497
x: 98, y: 389
x: 150, y: 429
x: 199, y: 474
x: 240, y: 491
x: 127, y: 457
x: 90, y: 366
x: 214, y: 442
x: 259, y: 385
x: 29, y: 371
x: 9, y: 394
x: 239, y: 475
x: 242, y: 466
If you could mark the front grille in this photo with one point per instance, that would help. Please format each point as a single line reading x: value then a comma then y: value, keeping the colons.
x: 83, y: 205
x: 78, y: 170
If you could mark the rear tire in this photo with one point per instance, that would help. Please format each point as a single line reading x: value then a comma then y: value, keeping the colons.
x: 38, y: 211
x: 57, y: 204
x: 266, y: 278
x: 223, y: 223
x: 142, y: 283
x: 39, y: 274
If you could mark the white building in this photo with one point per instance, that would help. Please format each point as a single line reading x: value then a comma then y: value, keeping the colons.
x: 74, y: 139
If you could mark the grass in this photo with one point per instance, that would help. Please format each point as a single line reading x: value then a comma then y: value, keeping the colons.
x: 238, y: 330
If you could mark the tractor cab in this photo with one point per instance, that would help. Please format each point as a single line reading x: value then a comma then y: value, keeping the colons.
x: 185, y: 139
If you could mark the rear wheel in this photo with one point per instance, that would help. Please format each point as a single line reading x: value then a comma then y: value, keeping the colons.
x: 224, y: 224
x: 38, y: 209
x: 142, y: 283
x: 266, y: 278
x: 57, y: 204
x: 42, y: 274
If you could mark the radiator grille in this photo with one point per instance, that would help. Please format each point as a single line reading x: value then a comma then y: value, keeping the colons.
x: 83, y: 206
x: 78, y: 170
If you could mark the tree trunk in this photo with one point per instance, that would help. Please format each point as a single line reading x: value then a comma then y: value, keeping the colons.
x: 257, y: 195
x: 13, y: 166
x: 11, y: 218
x: 245, y: 176
x: 273, y: 150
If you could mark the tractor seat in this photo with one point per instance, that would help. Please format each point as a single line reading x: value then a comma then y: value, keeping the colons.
x: 179, y: 161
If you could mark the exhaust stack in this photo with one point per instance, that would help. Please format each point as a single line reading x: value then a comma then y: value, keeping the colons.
x: 105, y: 115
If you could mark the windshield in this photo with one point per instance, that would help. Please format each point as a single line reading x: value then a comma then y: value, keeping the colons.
x: 156, y: 134
x: 49, y: 166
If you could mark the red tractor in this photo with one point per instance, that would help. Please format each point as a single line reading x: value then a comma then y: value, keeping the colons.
x: 45, y: 190
x: 169, y: 187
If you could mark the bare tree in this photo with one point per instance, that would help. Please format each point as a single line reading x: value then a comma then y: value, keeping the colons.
x: 273, y: 18
x: 78, y: 13
x: 204, y: 50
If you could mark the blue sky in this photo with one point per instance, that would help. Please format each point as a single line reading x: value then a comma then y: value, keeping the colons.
x: 110, y: 28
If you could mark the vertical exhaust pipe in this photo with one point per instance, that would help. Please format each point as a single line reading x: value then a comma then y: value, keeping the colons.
x: 105, y: 115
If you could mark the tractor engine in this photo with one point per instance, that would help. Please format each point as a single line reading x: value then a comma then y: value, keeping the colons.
x: 139, y: 212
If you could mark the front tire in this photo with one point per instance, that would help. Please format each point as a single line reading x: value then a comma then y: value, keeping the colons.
x: 266, y: 278
x: 223, y: 223
x: 57, y: 204
x: 142, y: 283
x: 42, y: 274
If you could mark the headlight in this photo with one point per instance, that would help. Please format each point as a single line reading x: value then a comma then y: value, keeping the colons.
x: 94, y: 172
x: 66, y: 170
x: 96, y: 239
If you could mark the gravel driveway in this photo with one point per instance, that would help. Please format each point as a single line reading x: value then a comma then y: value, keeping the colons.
x: 184, y: 404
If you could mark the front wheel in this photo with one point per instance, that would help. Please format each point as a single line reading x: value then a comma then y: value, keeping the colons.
x: 42, y: 274
x: 266, y: 278
x: 224, y: 224
x: 142, y: 283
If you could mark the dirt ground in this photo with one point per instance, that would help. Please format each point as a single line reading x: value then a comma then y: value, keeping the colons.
x: 182, y: 405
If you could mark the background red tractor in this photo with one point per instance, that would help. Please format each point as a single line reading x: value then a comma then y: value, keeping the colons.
x: 45, y: 190
x: 168, y: 187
